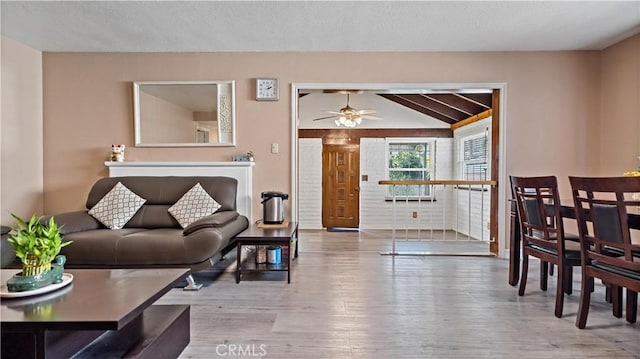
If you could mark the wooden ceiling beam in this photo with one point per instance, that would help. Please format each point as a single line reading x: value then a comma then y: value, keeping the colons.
x: 436, y: 106
x: 472, y: 119
x: 482, y: 99
x: 462, y: 104
x: 417, y: 107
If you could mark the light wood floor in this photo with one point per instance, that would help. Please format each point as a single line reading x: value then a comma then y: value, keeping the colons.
x: 347, y: 301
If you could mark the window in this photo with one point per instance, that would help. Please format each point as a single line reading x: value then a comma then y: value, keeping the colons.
x: 410, y: 160
x: 474, y: 156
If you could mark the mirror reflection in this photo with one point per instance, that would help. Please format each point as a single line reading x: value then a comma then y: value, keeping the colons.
x: 179, y: 113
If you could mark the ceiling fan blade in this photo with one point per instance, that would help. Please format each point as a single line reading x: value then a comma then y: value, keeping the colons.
x: 324, y: 118
x: 334, y: 112
x: 366, y: 112
x: 369, y: 117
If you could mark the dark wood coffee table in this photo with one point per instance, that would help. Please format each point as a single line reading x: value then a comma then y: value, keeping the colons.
x: 255, y: 236
x: 102, y: 313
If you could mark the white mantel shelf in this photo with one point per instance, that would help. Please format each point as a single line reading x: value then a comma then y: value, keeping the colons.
x: 179, y: 164
x: 241, y: 171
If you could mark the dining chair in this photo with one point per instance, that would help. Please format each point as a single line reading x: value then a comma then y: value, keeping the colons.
x: 602, y: 206
x: 543, y: 236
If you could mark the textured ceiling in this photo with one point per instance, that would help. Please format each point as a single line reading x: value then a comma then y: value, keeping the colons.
x: 211, y: 26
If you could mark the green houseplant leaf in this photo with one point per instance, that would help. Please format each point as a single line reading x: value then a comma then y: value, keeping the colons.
x: 36, y: 240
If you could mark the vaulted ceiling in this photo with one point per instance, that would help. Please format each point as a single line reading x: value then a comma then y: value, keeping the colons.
x: 451, y: 108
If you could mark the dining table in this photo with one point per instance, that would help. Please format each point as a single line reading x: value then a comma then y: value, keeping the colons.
x: 515, y: 236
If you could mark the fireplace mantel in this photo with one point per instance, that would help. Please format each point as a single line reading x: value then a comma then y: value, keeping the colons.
x: 242, y: 171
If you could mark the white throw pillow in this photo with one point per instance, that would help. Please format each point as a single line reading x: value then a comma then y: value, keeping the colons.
x: 193, y: 205
x: 117, y: 207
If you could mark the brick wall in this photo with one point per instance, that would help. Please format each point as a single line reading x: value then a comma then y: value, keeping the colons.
x: 310, y: 183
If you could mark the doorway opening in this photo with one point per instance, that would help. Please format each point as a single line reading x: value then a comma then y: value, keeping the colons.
x: 310, y: 136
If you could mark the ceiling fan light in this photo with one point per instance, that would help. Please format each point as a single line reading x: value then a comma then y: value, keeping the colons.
x: 348, y: 116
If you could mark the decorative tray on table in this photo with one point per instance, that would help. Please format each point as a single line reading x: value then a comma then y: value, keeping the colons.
x: 22, y: 286
x: 67, y: 278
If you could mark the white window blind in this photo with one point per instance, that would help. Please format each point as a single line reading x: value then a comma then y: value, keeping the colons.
x: 475, y: 157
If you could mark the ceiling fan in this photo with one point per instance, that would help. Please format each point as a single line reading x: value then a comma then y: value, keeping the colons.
x: 349, y: 116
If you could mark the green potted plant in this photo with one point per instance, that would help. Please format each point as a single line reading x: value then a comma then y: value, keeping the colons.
x: 36, y: 244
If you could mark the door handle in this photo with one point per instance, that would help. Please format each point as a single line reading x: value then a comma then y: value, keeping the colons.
x: 357, y: 189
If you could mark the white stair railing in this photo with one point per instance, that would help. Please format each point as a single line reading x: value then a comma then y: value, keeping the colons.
x: 465, y: 215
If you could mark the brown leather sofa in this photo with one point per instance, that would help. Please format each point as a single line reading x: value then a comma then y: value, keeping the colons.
x: 6, y: 250
x: 153, y: 238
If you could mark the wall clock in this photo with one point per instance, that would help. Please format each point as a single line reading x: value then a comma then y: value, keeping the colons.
x: 267, y: 89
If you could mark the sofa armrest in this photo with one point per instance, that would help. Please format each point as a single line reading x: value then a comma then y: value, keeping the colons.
x: 6, y: 249
x: 77, y: 221
x: 216, y: 220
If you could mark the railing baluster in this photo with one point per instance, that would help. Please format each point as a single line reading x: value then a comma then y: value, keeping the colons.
x: 481, y: 212
x: 444, y: 212
x: 406, y: 206
x: 393, y: 230
x: 469, y: 213
x: 418, y: 209
x: 433, y: 195
x: 457, y: 210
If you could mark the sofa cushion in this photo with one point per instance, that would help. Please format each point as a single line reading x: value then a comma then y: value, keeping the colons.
x: 76, y: 221
x: 117, y: 207
x: 153, y: 216
x: 193, y: 205
x: 138, y: 247
x: 97, y: 247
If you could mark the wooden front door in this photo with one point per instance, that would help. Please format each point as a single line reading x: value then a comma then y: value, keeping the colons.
x: 341, y: 186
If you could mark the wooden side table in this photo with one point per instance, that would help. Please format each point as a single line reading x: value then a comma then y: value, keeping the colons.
x: 286, y: 237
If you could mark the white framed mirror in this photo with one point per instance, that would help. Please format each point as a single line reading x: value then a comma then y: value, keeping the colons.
x: 184, y: 113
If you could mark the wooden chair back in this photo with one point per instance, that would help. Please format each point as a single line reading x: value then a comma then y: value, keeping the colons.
x: 539, y: 211
x: 606, y: 202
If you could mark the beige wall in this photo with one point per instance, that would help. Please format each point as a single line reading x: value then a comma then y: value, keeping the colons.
x: 88, y: 106
x: 620, y: 113
x: 21, y: 132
